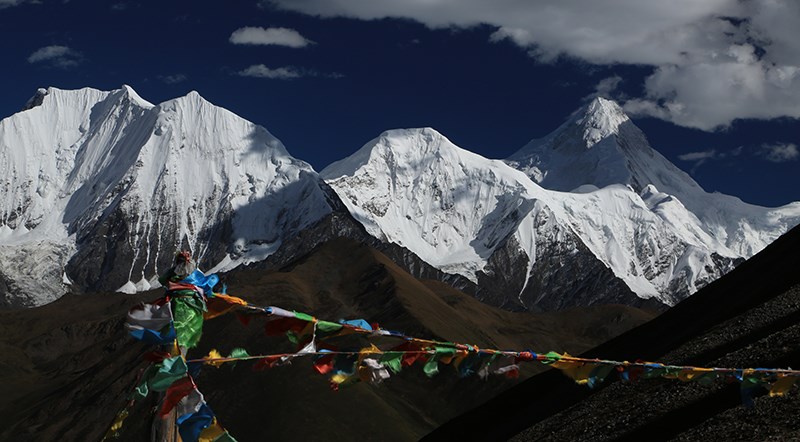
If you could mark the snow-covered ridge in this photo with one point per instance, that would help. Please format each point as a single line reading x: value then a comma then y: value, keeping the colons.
x: 600, y: 146
x: 454, y: 208
x: 99, y: 188
x: 116, y: 182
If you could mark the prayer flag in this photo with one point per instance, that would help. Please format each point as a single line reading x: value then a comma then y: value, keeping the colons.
x: 191, y: 425
x: 177, y: 391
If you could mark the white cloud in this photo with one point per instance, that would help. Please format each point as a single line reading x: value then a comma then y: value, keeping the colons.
x: 172, y: 79
x: 284, y: 72
x: 714, y: 61
x: 269, y: 36
x: 606, y: 87
x: 702, y: 157
x: 9, y: 3
x: 261, y: 71
x: 780, y: 152
x: 59, y: 56
x: 697, y: 156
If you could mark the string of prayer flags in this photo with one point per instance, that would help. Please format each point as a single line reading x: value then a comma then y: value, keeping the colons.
x: 169, y: 322
x: 178, y: 320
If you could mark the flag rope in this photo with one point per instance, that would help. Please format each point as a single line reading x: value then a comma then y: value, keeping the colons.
x: 173, y: 374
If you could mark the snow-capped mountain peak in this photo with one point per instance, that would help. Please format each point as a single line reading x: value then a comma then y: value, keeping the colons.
x: 613, y: 199
x: 117, y: 184
x: 599, y: 119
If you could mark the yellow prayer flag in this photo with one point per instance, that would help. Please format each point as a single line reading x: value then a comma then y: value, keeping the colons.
x: 212, y: 432
x: 214, y: 354
x: 367, y: 351
x: 782, y: 385
x: 693, y: 373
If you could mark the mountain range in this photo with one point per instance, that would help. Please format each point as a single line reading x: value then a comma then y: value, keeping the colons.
x: 101, y: 188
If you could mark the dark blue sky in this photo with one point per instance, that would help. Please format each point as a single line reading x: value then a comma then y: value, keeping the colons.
x: 361, y: 77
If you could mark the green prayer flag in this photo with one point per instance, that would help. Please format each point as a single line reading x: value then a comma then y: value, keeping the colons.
x: 188, y: 320
x: 238, y: 353
x: 304, y: 316
x: 551, y: 357
x: 393, y: 360
x: 170, y: 371
x: 444, y: 351
x: 328, y: 327
x: 431, y: 367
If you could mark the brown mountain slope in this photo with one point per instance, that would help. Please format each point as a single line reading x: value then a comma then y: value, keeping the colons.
x: 69, y: 365
x: 748, y: 318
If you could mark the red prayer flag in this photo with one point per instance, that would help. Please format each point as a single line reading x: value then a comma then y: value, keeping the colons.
x: 324, y: 364
x: 177, y: 391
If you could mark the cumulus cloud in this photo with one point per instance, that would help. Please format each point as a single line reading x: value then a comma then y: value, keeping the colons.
x: 269, y: 36
x: 58, y: 56
x: 780, y: 152
x: 714, y: 61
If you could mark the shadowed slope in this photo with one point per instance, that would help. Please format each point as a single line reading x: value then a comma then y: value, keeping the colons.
x: 70, y: 364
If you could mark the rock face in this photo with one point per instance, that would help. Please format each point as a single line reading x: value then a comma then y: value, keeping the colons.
x: 108, y: 186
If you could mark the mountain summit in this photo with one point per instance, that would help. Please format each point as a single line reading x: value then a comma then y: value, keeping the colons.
x: 600, y: 146
x: 590, y: 197
x: 101, y: 188
x: 530, y: 247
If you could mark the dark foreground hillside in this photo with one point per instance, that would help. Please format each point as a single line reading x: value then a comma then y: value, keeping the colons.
x: 748, y: 318
x: 68, y: 366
